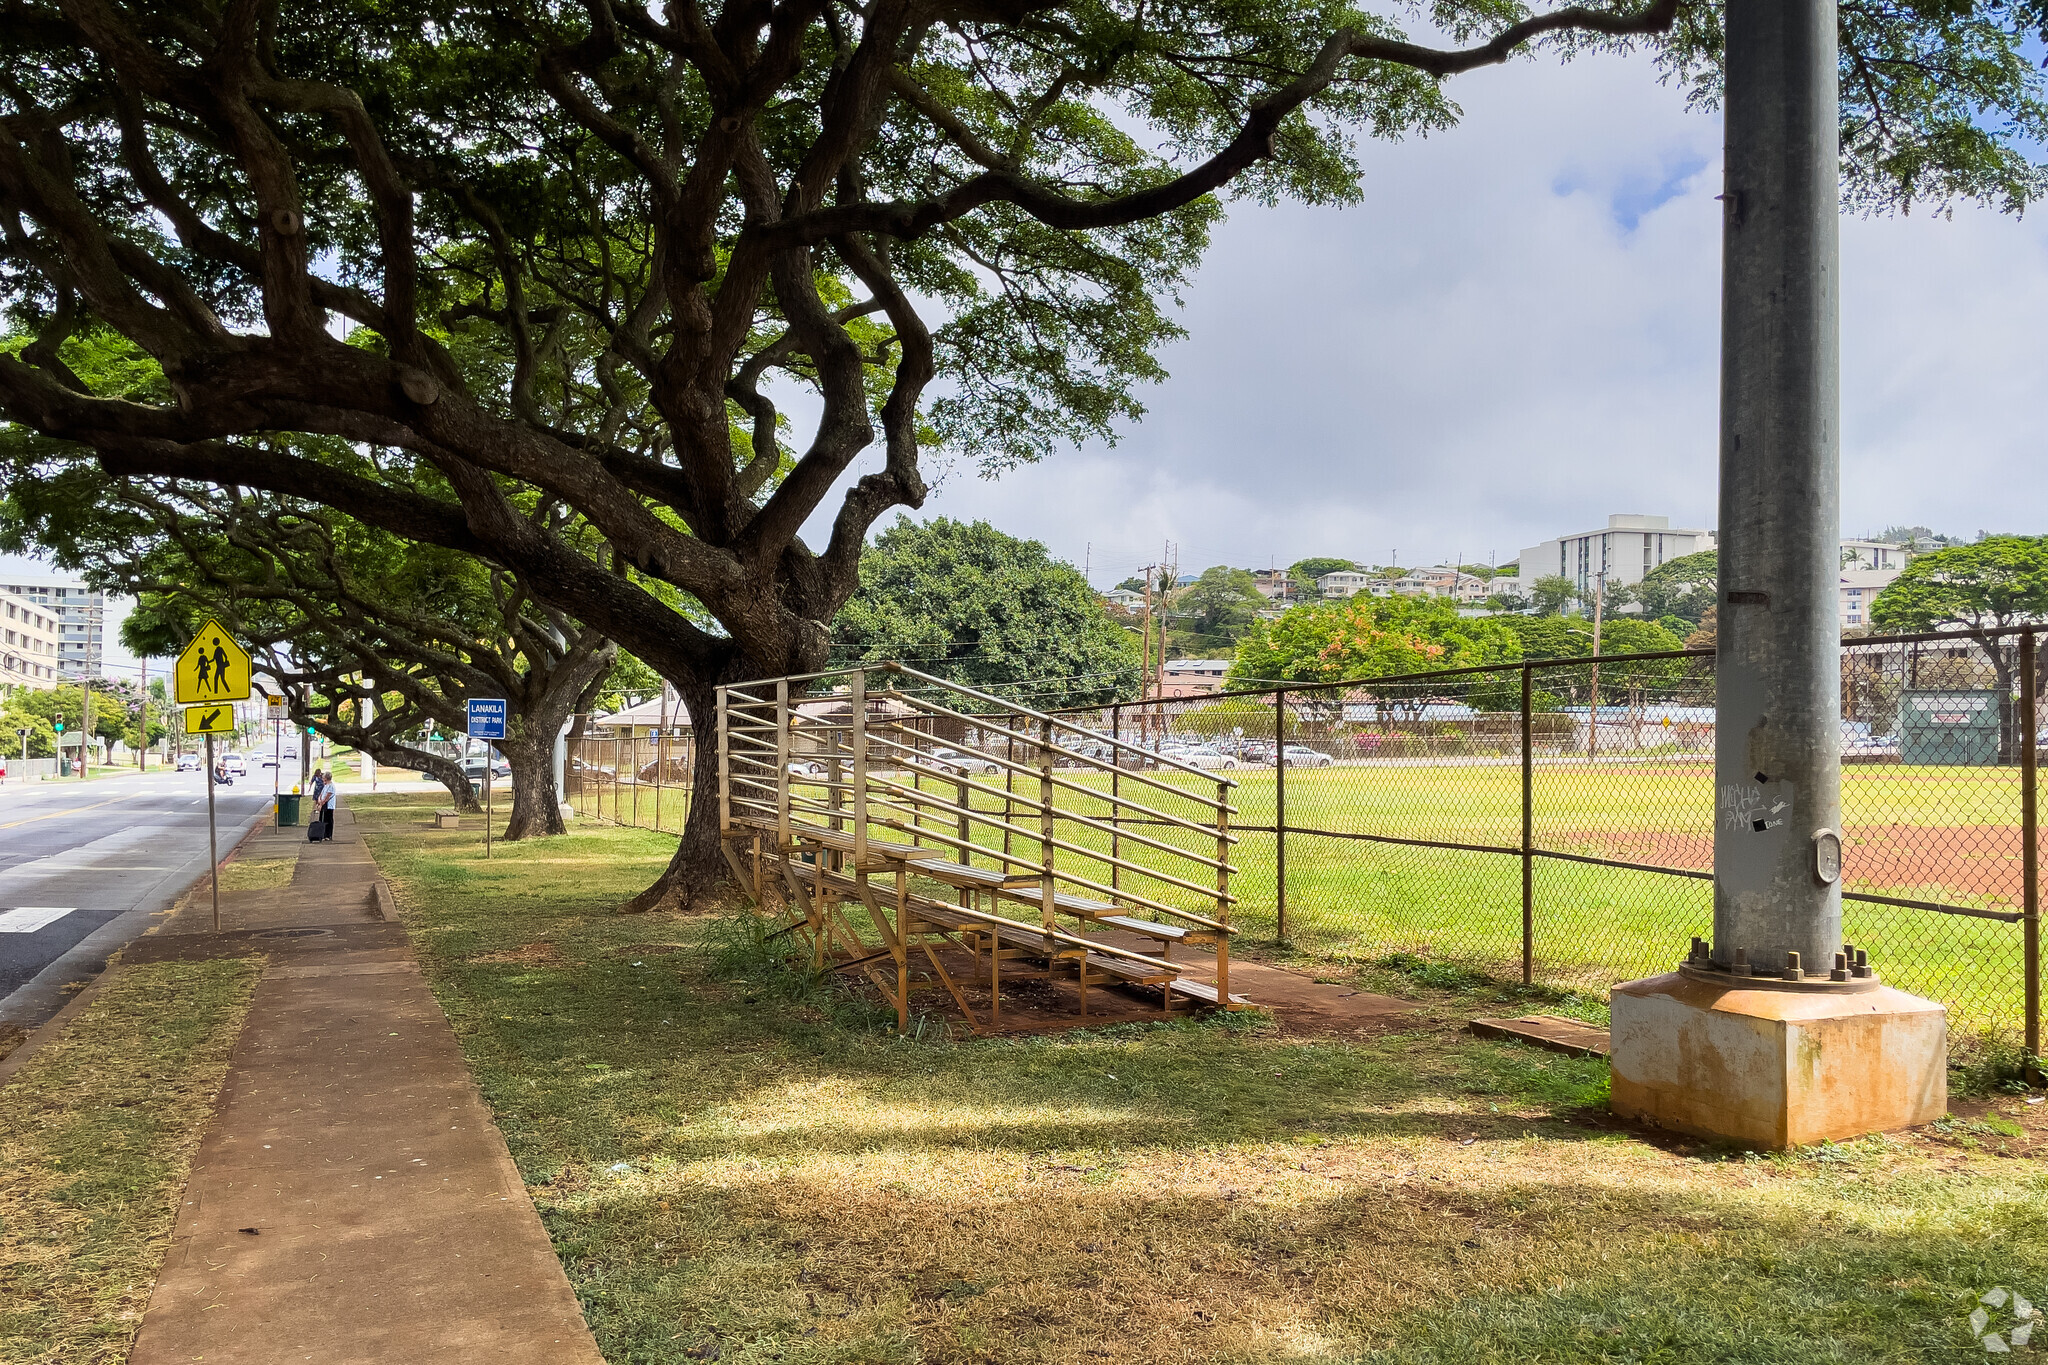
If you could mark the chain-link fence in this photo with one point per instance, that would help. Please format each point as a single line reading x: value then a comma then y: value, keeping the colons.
x: 1553, y: 821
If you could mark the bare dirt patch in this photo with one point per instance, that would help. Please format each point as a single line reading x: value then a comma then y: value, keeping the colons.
x: 1971, y: 860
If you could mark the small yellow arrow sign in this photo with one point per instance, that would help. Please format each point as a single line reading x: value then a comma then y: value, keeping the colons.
x: 209, y: 720
x: 212, y: 668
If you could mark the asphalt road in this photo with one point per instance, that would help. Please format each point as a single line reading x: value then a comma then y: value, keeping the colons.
x: 83, y: 865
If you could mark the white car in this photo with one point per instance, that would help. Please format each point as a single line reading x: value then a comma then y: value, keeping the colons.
x: 1301, y: 756
x: 1206, y: 756
x: 236, y: 765
x: 190, y: 763
x: 953, y: 761
x: 804, y: 767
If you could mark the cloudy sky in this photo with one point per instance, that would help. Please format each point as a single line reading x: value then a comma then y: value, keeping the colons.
x: 1513, y: 336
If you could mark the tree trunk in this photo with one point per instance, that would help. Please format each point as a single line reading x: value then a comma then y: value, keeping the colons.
x: 446, y: 771
x: 536, y: 805
x: 698, y: 864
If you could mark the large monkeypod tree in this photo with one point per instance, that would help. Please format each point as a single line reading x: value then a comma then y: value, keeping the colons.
x: 582, y: 253
x: 387, y: 635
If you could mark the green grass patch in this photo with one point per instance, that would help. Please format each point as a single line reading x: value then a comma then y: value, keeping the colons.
x: 97, y: 1133
x: 732, y: 1158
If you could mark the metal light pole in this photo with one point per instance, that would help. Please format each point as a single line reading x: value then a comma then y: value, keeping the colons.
x: 1778, y: 1035
x: 1777, y: 749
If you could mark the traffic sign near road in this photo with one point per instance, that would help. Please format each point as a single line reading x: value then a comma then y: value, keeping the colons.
x: 273, y: 707
x: 209, y: 720
x: 486, y: 717
x: 212, y: 668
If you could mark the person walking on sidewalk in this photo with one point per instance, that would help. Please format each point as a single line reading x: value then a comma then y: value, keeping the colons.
x: 322, y: 824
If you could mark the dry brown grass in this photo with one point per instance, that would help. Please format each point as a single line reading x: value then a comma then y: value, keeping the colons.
x: 97, y: 1133
x: 257, y: 874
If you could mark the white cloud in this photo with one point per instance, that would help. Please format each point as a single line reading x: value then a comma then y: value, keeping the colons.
x: 1514, y: 335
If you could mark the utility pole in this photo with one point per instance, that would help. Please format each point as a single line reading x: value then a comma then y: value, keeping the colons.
x: 84, y: 724
x: 142, y: 727
x: 1777, y: 665
x: 1145, y: 678
x: 1778, y: 1033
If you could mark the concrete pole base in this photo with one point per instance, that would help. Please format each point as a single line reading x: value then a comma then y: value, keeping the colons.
x: 1770, y: 1069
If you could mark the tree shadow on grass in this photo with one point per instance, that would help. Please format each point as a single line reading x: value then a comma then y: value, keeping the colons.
x: 1486, y: 1263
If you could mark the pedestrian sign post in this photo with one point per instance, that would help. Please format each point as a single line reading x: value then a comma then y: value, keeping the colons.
x: 212, y: 668
x: 487, y: 722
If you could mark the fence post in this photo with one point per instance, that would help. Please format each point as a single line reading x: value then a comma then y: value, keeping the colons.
x: 1045, y: 826
x: 857, y: 698
x: 1528, y: 836
x: 782, y: 763
x: 1280, y: 815
x: 2030, y: 850
x: 1116, y: 772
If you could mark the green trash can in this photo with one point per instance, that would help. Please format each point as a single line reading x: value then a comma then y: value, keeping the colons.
x: 287, y: 809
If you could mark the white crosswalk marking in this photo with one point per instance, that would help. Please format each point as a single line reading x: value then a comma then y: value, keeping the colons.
x: 27, y: 919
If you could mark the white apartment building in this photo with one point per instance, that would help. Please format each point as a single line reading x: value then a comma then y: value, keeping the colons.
x: 1873, y: 554
x: 81, y: 615
x: 28, y: 642
x: 1859, y: 588
x: 1626, y: 550
x: 1345, y: 583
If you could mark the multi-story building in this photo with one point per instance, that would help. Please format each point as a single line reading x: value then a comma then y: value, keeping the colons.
x: 1346, y: 583
x: 1271, y: 583
x: 1192, y: 677
x: 81, y: 616
x: 28, y: 642
x: 1873, y: 554
x: 1625, y: 551
x: 1859, y: 587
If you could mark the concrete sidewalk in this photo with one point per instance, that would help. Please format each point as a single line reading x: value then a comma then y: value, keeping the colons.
x: 353, y: 1201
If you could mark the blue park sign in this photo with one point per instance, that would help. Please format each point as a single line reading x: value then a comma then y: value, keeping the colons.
x: 486, y: 717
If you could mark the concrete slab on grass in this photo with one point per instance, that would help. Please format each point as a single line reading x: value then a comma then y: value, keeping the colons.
x: 1551, y: 1032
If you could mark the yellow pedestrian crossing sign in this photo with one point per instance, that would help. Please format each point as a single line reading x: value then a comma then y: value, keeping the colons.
x: 212, y: 668
x: 209, y: 720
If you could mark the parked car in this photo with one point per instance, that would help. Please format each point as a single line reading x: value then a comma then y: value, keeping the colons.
x: 235, y: 765
x: 1301, y: 756
x: 473, y: 767
x: 954, y: 761
x: 191, y: 763
x: 806, y: 767
x: 1206, y: 756
x: 665, y: 770
x: 579, y: 771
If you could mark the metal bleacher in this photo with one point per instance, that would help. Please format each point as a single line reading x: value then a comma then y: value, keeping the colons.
x: 920, y: 823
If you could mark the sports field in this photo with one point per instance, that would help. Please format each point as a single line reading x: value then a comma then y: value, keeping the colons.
x: 1948, y: 835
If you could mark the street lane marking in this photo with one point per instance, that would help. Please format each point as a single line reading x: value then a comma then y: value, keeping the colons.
x: 27, y: 919
x: 57, y: 814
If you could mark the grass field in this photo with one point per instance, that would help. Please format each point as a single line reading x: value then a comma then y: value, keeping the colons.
x: 734, y: 1166
x: 1947, y: 835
